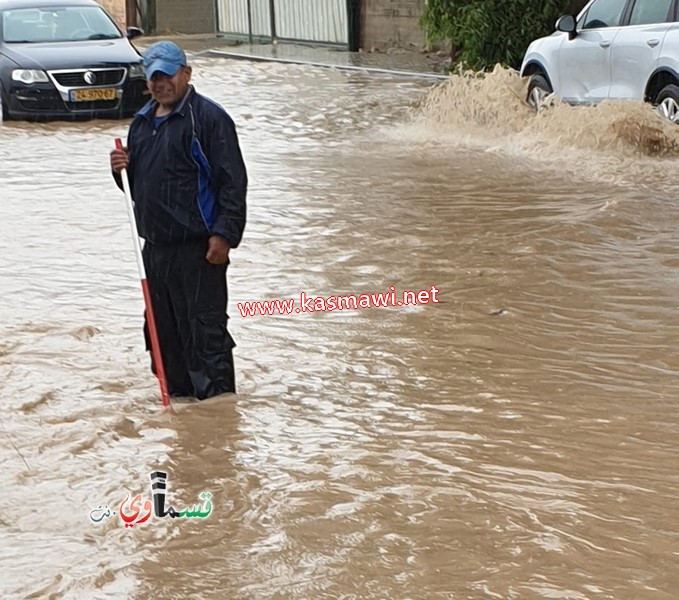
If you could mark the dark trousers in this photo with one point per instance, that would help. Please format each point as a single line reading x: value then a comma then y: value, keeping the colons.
x: 189, y: 298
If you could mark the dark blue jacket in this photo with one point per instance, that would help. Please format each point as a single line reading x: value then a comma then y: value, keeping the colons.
x: 187, y: 177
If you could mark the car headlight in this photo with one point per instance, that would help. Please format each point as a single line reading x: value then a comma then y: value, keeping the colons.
x: 29, y: 76
x: 137, y: 70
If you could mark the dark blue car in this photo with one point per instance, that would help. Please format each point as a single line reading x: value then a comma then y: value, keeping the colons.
x: 67, y: 59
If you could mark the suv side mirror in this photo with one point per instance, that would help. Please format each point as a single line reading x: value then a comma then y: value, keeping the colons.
x: 567, y: 25
x: 134, y: 32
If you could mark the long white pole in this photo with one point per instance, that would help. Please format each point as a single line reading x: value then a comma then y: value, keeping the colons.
x: 150, y: 317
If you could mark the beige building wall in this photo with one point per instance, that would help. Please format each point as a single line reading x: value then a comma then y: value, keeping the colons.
x: 115, y: 8
x: 391, y: 23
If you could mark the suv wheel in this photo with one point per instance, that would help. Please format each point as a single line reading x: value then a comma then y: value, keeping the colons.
x: 538, y: 91
x: 667, y: 103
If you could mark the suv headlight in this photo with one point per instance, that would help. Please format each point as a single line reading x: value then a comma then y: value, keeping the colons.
x: 29, y: 76
x: 137, y: 70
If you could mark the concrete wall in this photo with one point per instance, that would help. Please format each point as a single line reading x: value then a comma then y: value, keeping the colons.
x: 386, y: 23
x: 185, y: 16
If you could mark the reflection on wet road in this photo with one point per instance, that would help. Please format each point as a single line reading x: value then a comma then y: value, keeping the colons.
x: 518, y: 440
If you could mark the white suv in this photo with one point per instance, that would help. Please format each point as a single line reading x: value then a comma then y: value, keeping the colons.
x: 615, y: 49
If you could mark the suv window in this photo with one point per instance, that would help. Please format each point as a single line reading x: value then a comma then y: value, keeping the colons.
x: 646, y: 12
x: 604, y: 13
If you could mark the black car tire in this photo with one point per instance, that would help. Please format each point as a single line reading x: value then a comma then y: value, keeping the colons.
x: 670, y: 96
x: 537, y: 81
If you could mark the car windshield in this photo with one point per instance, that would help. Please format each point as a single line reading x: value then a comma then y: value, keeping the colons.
x: 67, y: 24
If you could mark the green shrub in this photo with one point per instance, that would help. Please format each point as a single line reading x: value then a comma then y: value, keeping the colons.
x: 486, y: 32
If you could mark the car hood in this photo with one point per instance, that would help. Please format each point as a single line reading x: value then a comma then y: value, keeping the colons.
x: 71, y: 55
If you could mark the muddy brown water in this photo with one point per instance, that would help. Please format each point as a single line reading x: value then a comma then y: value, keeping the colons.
x: 518, y: 440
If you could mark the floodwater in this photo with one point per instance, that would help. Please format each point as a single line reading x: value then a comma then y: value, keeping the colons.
x: 517, y: 440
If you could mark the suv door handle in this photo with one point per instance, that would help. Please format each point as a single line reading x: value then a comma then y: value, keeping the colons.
x: 605, y: 43
x: 653, y: 43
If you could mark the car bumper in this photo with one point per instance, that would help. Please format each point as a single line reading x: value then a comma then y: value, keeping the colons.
x: 44, y: 101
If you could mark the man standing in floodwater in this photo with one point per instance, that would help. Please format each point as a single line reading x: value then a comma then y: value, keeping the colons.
x: 189, y: 185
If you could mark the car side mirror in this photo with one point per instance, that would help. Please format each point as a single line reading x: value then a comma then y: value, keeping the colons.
x: 134, y: 32
x: 567, y: 25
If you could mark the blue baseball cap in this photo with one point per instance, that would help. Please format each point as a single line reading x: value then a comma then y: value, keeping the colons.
x: 165, y: 57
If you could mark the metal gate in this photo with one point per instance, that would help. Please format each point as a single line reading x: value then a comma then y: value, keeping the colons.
x: 250, y: 18
x: 320, y: 21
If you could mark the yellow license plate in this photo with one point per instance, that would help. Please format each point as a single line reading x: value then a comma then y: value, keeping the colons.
x: 90, y: 95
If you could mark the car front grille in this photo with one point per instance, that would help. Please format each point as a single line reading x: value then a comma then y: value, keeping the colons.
x: 77, y: 78
x: 46, y: 101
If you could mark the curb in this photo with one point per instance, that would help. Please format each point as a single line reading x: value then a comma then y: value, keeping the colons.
x: 309, y: 63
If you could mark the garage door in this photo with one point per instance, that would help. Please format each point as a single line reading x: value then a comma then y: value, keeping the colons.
x: 245, y: 17
x: 317, y: 21
x: 322, y: 21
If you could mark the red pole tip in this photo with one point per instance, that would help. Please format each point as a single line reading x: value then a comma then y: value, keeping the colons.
x: 119, y: 143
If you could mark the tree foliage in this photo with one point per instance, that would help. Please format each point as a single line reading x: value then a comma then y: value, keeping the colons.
x: 486, y: 32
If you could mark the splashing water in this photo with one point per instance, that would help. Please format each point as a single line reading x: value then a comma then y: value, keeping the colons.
x: 614, y: 141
